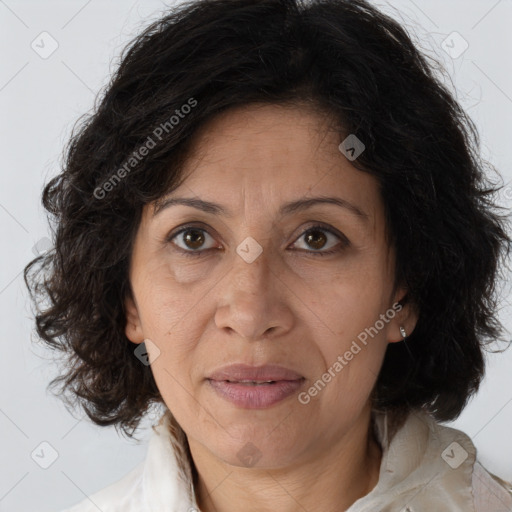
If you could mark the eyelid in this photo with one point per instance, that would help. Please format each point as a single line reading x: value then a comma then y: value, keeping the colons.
x: 185, y: 227
x: 324, y: 227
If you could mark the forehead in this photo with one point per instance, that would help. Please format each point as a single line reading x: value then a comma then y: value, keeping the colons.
x: 272, y: 154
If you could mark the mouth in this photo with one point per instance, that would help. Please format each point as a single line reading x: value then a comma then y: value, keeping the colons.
x: 252, y: 387
x: 253, y: 382
x: 243, y: 373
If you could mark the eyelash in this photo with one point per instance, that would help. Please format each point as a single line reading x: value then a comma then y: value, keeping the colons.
x: 195, y: 254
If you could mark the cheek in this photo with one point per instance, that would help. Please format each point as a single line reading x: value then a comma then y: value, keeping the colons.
x: 348, y: 302
x: 167, y: 303
x: 361, y: 322
x: 355, y: 315
x: 350, y: 373
x: 172, y: 325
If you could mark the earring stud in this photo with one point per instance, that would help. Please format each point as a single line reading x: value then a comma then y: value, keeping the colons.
x: 402, y: 332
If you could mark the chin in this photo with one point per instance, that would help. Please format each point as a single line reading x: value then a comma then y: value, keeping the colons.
x: 255, y: 448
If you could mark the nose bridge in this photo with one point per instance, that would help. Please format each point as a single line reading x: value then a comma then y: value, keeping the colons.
x: 251, y: 267
x: 250, y: 302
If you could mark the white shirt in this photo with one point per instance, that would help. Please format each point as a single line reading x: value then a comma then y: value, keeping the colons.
x: 425, y: 467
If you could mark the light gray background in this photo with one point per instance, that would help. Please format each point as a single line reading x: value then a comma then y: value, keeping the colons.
x: 41, y: 98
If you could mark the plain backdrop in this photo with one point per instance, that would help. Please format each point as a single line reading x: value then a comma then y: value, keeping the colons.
x: 41, y: 96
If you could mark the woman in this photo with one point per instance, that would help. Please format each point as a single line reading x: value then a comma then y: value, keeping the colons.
x: 277, y: 225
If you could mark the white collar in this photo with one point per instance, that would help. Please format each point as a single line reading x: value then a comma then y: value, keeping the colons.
x: 425, y: 466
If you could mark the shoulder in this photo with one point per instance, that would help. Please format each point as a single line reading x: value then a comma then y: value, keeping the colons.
x: 124, y: 495
x: 160, y: 482
x: 430, y: 466
x: 490, y: 493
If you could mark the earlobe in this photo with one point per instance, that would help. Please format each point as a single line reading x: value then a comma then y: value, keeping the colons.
x: 133, y: 327
x: 405, y: 320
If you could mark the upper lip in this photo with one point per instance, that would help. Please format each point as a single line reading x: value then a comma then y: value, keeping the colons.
x: 244, y: 372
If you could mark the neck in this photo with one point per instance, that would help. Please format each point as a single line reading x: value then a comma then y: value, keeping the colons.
x: 330, y: 479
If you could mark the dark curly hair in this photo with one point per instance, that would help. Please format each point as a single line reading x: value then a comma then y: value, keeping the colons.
x: 344, y: 59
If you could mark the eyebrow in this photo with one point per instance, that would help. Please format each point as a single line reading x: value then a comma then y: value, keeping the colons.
x: 286, y: 209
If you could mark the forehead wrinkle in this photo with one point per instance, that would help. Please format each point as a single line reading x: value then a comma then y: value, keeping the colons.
x: 206, y: 147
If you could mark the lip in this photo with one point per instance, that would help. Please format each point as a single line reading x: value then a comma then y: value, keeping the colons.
x: 232, y: 383
x: 240, y: 372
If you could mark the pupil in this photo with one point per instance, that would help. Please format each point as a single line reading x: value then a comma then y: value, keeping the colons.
x: 194, y: 242
x: 310, y: 239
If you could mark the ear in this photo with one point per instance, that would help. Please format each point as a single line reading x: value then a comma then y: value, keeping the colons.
x: 133, y: 328
x: 406, y: 316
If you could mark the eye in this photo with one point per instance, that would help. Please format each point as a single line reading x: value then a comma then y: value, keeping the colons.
x: 318, y: 236
x: 192, y: 240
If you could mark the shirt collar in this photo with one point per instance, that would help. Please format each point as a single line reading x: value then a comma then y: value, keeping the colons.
x: 167, y: 476
x: 425, y: 466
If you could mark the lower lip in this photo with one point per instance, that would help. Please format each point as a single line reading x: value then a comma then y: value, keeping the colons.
x: 257, y: 396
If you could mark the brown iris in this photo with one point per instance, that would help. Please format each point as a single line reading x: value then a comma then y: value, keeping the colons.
x: 194, y: 238
x: 317, y: 242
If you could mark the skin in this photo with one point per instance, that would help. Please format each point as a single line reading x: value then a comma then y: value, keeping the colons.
x: 288, y: 307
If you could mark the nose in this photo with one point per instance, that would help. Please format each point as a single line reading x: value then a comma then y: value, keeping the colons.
x: 252, y: 300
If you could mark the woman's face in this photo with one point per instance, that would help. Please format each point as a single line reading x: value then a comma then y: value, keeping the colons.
x: 253, y: 282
